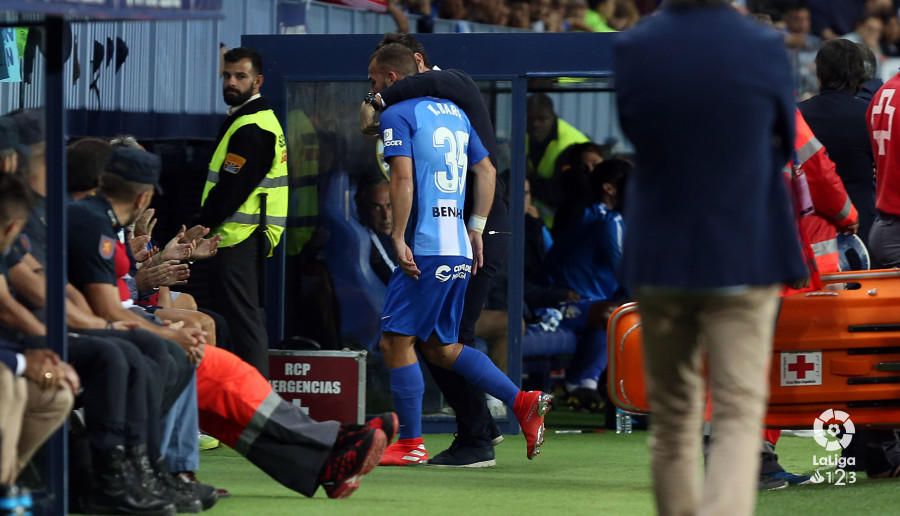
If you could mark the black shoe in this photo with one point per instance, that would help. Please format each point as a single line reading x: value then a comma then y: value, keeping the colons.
x: 464, y: 455
x: 496, y: 434
x: 146, y: 474
x: 156, y: 482
x: 207, y: 494
x: 771, y: 484
x: 116, y: 489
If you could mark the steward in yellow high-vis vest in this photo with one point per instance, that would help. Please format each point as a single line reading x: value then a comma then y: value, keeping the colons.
x: 260, y: 126
x: 245, y: 201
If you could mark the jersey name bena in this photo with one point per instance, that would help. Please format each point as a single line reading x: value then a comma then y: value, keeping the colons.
x: 439, y: 139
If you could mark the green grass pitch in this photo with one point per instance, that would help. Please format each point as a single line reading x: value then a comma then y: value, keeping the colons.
x: 590, y: 474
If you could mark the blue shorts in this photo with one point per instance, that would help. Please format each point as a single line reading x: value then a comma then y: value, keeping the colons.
x: 430, y: 305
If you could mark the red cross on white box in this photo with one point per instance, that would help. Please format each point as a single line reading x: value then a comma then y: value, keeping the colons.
x: 801, y: 368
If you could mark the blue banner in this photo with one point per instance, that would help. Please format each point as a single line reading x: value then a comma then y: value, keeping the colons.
x: 120, y: 9
x: 10, y: 66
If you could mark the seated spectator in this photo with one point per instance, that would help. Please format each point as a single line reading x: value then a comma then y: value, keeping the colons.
x: 124, y: 430
x: 36, y: 396
x: 586, y: 258
x: 570, y: 187
x: 233, y: 399
x: 85, y: 160
x: 802, y: 48
x: 373, y: 203
x: 548, y: 136
x: 36, y: 388
x: 868, y: 32
x: 890, y: 37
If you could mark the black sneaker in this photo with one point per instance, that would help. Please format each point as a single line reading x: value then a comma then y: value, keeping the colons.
x: 496, y: 434
x: 768, y: 483
x: 464, y: 455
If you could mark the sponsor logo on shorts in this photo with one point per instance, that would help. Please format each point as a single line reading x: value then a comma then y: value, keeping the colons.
x: 445, y: 273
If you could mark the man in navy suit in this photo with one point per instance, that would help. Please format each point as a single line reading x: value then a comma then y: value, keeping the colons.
x: 704, y: 95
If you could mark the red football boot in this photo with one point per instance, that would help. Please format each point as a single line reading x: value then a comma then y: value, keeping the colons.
x: 387, y: 423
x: 353, y: 458
x: 530, y: 408
x: 405, y: 452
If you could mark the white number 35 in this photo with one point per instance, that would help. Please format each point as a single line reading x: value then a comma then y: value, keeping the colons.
x: 453, y: 179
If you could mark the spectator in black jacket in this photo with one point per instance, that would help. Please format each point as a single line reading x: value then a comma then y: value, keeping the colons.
x: 838, y: 118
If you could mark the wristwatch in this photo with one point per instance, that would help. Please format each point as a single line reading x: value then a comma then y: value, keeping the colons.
x: 374, y: 100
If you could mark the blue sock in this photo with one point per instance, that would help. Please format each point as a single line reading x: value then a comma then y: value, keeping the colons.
x: 407, y: 389
x: 477, y: 369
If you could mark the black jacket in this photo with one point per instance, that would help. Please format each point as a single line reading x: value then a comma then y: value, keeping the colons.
x: 838, y: 119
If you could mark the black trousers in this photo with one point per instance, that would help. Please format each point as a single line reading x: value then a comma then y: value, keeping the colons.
x: 159, y: 371
x: 165, y: 361
x: 234, y: 288
x: 104, y: 376
x: 473, y: 419
x: 121, y: 396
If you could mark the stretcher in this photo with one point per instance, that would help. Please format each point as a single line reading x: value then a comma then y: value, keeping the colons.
x: 835, y: 348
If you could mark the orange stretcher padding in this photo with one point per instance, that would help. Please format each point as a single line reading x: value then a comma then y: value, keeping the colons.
x: 851, y: 328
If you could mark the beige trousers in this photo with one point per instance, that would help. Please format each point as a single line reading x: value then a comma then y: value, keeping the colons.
x: 28, y: 417
x: 734, y: 333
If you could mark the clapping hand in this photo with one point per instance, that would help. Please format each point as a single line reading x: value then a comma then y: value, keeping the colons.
x: 206, y: 247
x: 178, y: 248
x: 144, y: 224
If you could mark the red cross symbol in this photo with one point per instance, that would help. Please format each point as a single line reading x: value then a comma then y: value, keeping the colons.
x: 801, y: 367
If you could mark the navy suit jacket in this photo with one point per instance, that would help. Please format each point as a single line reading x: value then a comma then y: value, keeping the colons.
x: 838, y: 118
x: 704, y: 95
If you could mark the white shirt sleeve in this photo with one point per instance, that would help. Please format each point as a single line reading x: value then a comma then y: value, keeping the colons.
x: 20, y: 364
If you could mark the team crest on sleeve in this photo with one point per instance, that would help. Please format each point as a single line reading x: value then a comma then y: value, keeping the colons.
x: 233, y: 163
x: 107, y: 247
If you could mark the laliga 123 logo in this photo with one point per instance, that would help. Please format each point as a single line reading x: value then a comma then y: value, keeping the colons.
x: 833, y: 430
x: 838, y: 424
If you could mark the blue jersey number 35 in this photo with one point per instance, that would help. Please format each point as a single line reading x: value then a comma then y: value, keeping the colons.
x: 452, y: 180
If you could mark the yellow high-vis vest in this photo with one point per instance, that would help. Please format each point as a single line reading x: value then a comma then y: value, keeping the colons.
x: 242, y: 223
x: 566, y: 135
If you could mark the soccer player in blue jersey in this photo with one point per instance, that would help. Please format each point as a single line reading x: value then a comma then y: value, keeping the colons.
x: 429, y: 144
